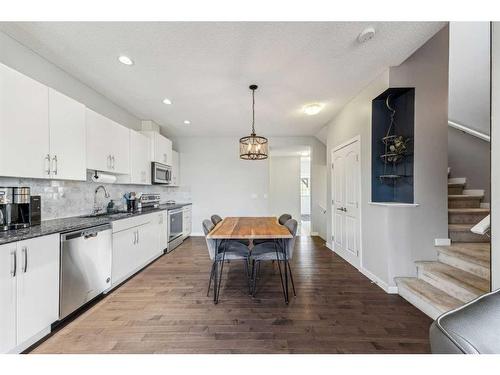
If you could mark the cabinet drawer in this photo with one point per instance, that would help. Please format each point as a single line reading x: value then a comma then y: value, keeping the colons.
x: 127, y: 223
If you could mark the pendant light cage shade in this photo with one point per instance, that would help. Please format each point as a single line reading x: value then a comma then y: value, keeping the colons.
x: 254, y: 147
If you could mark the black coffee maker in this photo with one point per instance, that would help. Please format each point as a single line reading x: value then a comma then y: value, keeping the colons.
x: 15, y: 208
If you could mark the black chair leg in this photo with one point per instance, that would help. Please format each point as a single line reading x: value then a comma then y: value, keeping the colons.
x: 211, y: 276
x: 291, y: 279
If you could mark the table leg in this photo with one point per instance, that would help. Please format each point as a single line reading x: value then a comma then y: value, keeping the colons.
x: 279, y: 268
x: 221, y: 269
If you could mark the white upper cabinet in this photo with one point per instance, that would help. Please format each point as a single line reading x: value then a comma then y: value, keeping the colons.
x: 175, y: 169
x: 24, y: 126
x: 161, y: 151
x: 140, y: 160
x: 67, y: 137
x: 108, y: 146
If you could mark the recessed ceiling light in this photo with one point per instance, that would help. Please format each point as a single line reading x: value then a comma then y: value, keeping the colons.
x: 187, y: 122
x: 167, y: 101
x: 313, y: 109
x: 125, y: 60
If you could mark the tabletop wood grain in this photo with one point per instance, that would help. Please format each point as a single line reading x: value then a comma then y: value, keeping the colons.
x: 249, y: 228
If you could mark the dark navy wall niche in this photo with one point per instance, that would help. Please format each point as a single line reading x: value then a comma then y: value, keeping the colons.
x: 392, y: 181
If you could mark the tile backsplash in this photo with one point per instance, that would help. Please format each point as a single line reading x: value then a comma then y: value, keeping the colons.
x: 72, y: 198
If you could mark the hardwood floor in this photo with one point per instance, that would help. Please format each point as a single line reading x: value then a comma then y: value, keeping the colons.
x: 164, y: 309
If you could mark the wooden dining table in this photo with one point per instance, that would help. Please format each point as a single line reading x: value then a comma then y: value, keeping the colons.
x: 250, y: 228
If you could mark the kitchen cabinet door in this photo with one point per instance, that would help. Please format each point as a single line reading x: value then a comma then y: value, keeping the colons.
x: 24, y: 125
x: 67, y: 137
x: 149, y: 240
x: 120, y: 148
x: 7, y: 297
x: 99, y: 137
x: 125, y: 258
x: 140, y: 159
x: 162, y: 229
x: 37, y: 285
x: 175, y: 169
x: 163, y: 150
x: 186, y: 221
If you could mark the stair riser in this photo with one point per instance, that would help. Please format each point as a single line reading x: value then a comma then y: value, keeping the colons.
x: 467, y: 237
x: 465, y: 218
x: 464, y: 265
x: 454, y: 190
x: 445, y: 285
x: 465, y: 203
x: 430, y: 310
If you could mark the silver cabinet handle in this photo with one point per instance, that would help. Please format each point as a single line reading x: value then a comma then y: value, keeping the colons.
x: 113, y: 158
x: 24, y: 251
x: 109, y: 162
x: 54, y: 160
x: 137, y: 235
x: 13, y: 270
x: 133, y: 241
x: 47, y: 164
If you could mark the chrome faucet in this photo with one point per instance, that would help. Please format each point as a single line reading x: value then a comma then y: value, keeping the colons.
x: 106, y: 195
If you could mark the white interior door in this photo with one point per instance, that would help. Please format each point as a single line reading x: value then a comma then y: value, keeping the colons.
x: 346, y: 202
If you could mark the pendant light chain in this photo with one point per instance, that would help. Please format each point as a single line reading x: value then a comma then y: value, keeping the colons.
x: 253, y: 111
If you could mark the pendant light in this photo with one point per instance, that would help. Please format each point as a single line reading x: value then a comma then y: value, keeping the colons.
x: 253, y: 147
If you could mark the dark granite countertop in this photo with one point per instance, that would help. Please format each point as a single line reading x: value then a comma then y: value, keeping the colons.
x: 69, y: 224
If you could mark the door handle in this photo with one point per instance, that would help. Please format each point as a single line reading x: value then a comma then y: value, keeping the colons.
x: 340, y: 209
x: 47, y: 169
x: 13, y: 270
x: 54, y: 160
x: 24, y: 251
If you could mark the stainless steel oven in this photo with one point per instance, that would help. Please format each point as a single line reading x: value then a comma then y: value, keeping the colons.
x: 175, y: 228
x: 161, y: 173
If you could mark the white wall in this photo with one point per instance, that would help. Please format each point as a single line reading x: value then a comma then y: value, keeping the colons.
x: 394, y: 237
x: 284, y: 185
x: 495, y: 157
x: 24, y: 60
x: 469, y: 83
x: 219, y: 182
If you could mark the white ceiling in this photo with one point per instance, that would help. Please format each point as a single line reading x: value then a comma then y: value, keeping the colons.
x: 205, y: 68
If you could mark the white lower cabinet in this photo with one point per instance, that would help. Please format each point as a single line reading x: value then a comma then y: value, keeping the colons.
x: 7, y: 297
x: 162, y: 228
x: 29, y: 285
x: 135, y: 244
x: 186, y: 221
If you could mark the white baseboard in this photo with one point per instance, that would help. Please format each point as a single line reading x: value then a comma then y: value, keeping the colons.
x: 197, y: 234
x: 329, y: 245
x: 442, y: 242
x: 484, y: 205
x: 314, y: 234
x: 389, y: 289
x: 25, y: 345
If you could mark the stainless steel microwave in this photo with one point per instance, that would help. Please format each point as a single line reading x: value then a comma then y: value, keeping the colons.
x: 161, y: 173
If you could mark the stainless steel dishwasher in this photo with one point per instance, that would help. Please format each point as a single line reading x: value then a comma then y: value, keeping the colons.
x: 85, y: 266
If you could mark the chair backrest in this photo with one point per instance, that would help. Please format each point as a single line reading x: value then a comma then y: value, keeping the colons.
x: 292, y: 226
x: 284, y: 218
x: 216, y: 219
x: 207, y: 227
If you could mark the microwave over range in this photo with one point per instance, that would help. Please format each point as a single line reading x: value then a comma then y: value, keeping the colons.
x: 161, y: 173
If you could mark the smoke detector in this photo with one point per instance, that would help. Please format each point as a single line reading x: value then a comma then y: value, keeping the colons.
x: 366, y: 35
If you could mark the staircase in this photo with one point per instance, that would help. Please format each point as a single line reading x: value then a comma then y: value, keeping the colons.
x: 462, y: 271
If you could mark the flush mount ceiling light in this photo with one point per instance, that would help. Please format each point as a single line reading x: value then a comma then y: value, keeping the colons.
x: 125, y: 60
x: 253, y: 147
x: 167, y: 101
x: 187, y: 122
x: 366, y: 35
x: 313, y: 108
